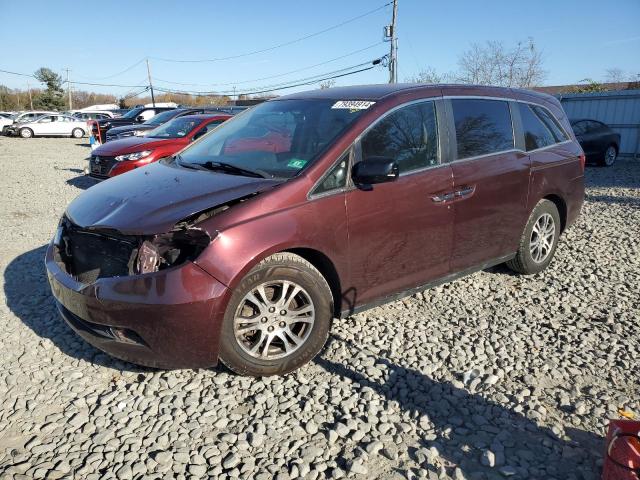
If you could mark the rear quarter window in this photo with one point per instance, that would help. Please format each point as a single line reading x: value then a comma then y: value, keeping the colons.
x: 551, y: 123
x: 540, y: 128
x: 482, y: 127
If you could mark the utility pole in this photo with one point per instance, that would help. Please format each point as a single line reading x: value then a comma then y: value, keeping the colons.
x: 30, y: 99
x: 69, y: 90
x: 393, y: 60
x: 153, y: 98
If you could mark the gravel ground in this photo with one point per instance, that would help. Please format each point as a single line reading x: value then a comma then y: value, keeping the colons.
x: 491, y: 376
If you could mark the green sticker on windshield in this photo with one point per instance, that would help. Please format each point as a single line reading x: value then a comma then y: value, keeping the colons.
x: 296, y: 163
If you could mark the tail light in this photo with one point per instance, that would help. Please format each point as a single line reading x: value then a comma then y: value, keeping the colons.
x: 582, y: 160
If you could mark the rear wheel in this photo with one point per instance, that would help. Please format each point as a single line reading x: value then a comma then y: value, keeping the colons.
x: 609, y: 157
x: 26, y: 133
x: 77, y: 133
x: 278, y: 317
x: 539, y: 240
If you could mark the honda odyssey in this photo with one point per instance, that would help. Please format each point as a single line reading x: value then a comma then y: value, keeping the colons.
x: 244, y: 246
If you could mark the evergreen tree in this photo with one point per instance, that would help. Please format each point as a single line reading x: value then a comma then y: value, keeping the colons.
x: 53, y: 97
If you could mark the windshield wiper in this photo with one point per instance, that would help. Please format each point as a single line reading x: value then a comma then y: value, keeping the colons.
x: 233, y: 169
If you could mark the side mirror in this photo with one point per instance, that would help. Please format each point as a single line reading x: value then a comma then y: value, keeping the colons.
x: 140, y: 119
x: 375, y: 170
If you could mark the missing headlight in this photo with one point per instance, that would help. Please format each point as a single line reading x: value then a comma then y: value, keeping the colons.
x: 170, y: 249
x: 148, y: 258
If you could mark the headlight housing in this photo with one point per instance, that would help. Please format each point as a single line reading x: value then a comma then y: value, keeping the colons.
x: 170, y: 249
x: 134, y: 156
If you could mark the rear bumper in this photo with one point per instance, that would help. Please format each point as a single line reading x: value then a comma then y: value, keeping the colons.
x: 167, y: 319
x: 575, y: 196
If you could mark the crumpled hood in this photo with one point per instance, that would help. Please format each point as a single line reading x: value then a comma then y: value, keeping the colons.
x: 151, y: 200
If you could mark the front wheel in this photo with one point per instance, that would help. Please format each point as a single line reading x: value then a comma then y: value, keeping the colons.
x: 77, y: 133
x: 278, y: 317
x: 610, y: 155
x: 539, y: 240
x: 26, y: 133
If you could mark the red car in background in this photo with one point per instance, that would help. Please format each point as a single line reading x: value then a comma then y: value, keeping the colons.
x: 120, y: 156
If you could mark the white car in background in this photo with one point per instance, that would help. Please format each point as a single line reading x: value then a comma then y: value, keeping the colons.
x: 21, y: 117
x: 52, y: 125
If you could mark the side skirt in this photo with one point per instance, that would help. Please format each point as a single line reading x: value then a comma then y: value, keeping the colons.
x: 434, y: 283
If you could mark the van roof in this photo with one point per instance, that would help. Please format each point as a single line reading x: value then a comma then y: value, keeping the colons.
x: 380, y: 91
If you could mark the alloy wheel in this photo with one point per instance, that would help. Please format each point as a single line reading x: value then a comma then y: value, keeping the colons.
x: 609, y: 156
x: 274, y: 319
x: 542, y: 238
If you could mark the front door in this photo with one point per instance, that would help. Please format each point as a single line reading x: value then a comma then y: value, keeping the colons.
x: 46, y: 125
x: 491, y: 183
x: 400, y: 232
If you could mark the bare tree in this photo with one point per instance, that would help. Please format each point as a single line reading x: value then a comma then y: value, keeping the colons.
x: 492, y: 64
x: 616, y: 75
x: 327, y: 84
x: 495, y: 64
x: 430, y: 75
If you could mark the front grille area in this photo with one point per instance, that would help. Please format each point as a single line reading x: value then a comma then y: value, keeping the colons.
x: 88, y: 255
x: 101, y: 166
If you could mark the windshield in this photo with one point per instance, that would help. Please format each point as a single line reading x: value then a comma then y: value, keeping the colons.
x: 279, y: 137
x: 176, y: 128
x: 161, y: 118
x: 132, y: 113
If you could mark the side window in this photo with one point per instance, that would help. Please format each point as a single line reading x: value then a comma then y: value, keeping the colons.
x: 594, y: 127
x: 551, y: 123
x: 47, y: 119
x: 207, y: 128
x: 408, y: 135
x: 536, y: 133
x: 337, y: 177
x: 579, y: 128
x: 482, y: 127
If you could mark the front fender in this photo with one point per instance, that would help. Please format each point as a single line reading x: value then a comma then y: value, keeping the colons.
x: 318, y: 225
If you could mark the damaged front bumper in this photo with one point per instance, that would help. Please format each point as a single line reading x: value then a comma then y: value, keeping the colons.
x: 165, y: 319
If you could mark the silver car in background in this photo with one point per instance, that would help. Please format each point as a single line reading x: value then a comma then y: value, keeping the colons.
x: 54, y: 125
x: 21, y: 117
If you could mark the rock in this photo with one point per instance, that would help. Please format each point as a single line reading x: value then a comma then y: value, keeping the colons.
x: 230, y: 461
x: 358, y: 467
x: 488, y: 458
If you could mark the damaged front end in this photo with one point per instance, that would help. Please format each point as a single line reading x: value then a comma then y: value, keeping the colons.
x: 89, y: 254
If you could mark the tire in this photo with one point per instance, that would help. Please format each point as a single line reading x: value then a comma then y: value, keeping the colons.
x: 77, y: 133
x: 529, y: 259
x: 272, y: 355
x: 609, y: 156
x: 26, y: 133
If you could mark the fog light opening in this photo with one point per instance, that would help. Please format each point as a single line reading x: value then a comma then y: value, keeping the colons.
x: 124, y: 335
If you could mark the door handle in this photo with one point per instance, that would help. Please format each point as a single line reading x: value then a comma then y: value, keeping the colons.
x: 464, y: 192
x: 441, y: 198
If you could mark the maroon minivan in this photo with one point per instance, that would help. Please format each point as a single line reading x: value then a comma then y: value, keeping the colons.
x: 245, y: 245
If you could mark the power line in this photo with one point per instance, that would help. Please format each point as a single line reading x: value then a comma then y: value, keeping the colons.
x: 106, y: 84
x: 271, y: 76
x: 19, y: 74
x: 134, y: 94
x: 73, y: 82
x: 299, y: 83
x: 280, y: 45
x: 116, y: 74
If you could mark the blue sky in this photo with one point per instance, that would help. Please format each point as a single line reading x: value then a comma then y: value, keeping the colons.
x: 579, y: 39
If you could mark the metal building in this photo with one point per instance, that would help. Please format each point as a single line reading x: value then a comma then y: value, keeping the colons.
x: 618, y: 109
